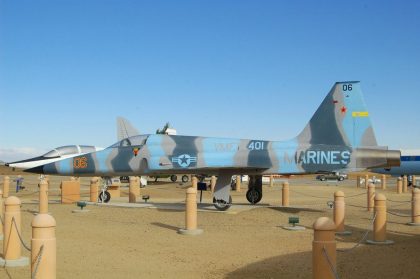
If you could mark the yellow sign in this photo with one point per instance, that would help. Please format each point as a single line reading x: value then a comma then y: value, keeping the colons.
x: 360, y: 114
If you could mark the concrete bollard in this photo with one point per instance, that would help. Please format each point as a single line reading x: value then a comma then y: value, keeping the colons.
x: 238, y: 183
x: 383, y: 182
x: 12, y: 247
x: 1, y: 215
x: 370, y: 197
x: 46, y: 178
x: 191, y: 213
x: 415, y: 208
x: 6, y: 186
x: 137, y: 188
x: 43, y: 196
x: 194, y: 182
x: 399, y: 185
x: 285, y: 194
x: 339, y: 213
x: 212, y: 183
x: 379, y: 224
x: 405, y: 184
x: 43, y: 262
x: 324, y: 249
x: 271, y: 180
x: 358, y: 182
x: 94, y: 189
x: 132, y: 190
x: 366, y: 181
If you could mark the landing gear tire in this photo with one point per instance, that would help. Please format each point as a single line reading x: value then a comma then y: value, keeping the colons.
x: 221, y: 204
x: 173, y: 178
x: 185, y: 178
x: 104, y: 196
x: 253, y: 195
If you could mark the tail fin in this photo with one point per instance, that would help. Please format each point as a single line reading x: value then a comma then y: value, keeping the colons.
x: 341, y: 119
x: 125, y: 129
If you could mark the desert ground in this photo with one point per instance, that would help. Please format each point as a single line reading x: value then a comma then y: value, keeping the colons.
x: 247, y: 241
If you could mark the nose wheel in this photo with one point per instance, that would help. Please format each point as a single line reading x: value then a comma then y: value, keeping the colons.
x: 104, y: 196
x: 221, y: 204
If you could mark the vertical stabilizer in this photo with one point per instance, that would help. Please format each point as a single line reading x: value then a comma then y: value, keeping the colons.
x: 125, y: 129
x: 341, y: 119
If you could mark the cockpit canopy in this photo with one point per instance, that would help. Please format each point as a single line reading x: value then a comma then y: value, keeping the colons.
x: 69, y: 150
x: 131, y: 141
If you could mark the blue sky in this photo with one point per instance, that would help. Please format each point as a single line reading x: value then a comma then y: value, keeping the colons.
x: 246, y: 69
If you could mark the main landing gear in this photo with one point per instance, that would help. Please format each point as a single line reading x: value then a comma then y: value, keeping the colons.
x: 254, y: 193
x: 222, y: 199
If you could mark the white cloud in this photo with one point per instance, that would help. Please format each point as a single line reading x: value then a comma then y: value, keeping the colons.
x: 19, y: 153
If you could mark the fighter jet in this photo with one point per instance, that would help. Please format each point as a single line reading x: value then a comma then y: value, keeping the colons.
x: 338, y: 138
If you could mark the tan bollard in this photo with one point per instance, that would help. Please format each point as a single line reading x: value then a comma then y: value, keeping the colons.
x: 1, y: 215
x: 383, y: 182
x: 366, y: 181
x: 191, y: 213
x: 43, y: 197
x: 137, y: 188
x: 324, y: 249
x: 6, y: 186
x: 379, y: 224
x: 47, y: 179
x: 271, y: 180
x: 339, y: 213
x: 213, y: 183
x: 399, y: 185
x: 415, y: 207
x: 94, y: 189
x: 405, y: 184
x: 285, y: 194
x: 132, y: 189
x: 12, y: 247
x: 43, y: 262
x: 413, y: 183
x: 194, y: 182
x: 358, y: 182
x: 370, y: 197
x: 238, y: 183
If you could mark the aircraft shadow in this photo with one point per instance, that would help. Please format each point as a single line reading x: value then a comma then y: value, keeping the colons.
x: 295, y: 209
x: 366, y: 261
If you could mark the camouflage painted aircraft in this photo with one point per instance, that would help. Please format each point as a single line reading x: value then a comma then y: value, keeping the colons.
x: 338, y: 138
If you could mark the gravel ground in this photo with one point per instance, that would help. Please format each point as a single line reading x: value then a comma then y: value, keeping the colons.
x: 244, y: 242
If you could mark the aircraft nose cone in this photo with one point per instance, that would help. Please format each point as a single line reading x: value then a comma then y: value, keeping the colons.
x: 38, y: 169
